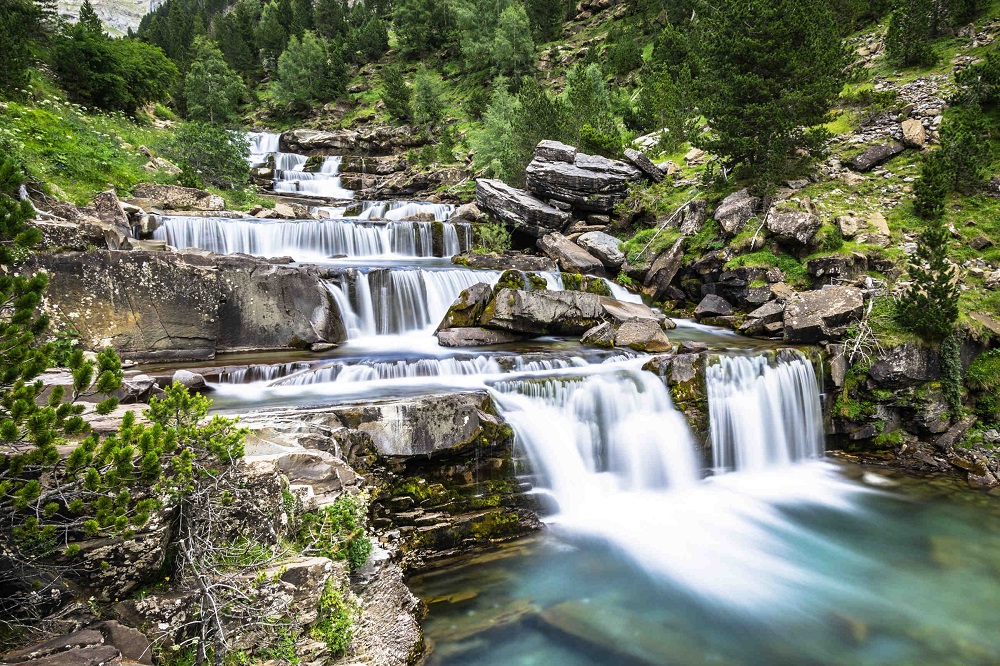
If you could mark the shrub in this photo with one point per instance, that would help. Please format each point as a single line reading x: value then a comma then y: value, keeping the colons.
x: 492, y: 237
x: 212, y: 154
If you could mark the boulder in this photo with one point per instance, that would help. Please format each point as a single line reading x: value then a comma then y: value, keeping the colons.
x: 518, y: 209
x: 642, y: 335
x: 190, y: 380
x: 110, y: 211
x: 265, y: 306
x: 849, y: 225
x: 713, y: 306
x: 735, y: 210
x: 877, y: 222
x: 554, y: 151
x: 307, y: 140
x: 172, y: 197
x: 694, y: 217
x: 644, y: 164
x: 771, y: 312
x: 822, y: 315
x: 905, y: 365
x: 662, y: 272
x: 468, y: 308
x: 591, y: 183
x: 543, y: 312
x: 914, y: 135
x: 571, y: 257
x: 475, y: 337
x: 508, y: 260
x: 468, y: 213
x: 618, y: 312
x: 824, y: 270
x: 602, y: 335
x: 604, y: 247
x: 875, y: 156
x: 147, y: 305
x: 793, y: 227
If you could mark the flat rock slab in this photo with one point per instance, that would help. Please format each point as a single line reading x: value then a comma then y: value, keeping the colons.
x: 875, y: 156
x: 644, y: 164
x: 604, y: 247
x: 475, y: 336
x: 518, y: 209
x: 825, y: 314
x: 571, y: 257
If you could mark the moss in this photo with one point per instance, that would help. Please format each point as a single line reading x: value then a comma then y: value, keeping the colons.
x: 495, y: 525
x: 572, y: 281
x: 796, y: 273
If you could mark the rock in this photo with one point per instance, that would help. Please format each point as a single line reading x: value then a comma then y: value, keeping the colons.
x: 172, y: 197
x: 713, y: 306
x: 266, y: 306
x: 508, y: 260
x: 824, y: 270
x: 98, y: 655
x: 694, y: 157
x: 468, y: 308
x: 604, y: 247
x: 554, y: 151
x: 543, y: 312
x: 591, y: 183
x: 822, y: 315
x: 475, y: 337
x: 644, y: 164
x: 769, y: 313
x: 621, y: 311
x: 735, y: 210
x: 307, y: 140
x: 913, y: 133
x: 602, y: 335
x: 570, y: 257
x: 642, y: 335
x: 110, y: 211
x: 794, y: 227
x: 849, y: 225
x: 290, y: 211
x: 980, y: 243
x: 905, y: 365
x: 191, y: 380
x: 662, y: 272
x: 877, y: 222
x: 77, y: 640
x: 875, y: 156
x: 468, y: 213
x: 518, y: 209
x: 132, y: 643
x: 388, y: 630
x: 694, y: 217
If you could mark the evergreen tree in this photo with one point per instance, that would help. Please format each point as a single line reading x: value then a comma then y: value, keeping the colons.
x: 18, y: 22
x: 966, y: 148
x: 767, y: 70
x: 907, y: 39
x: 308, y: 74
x: 932, y: 188
x: 212, y: 90
x: 395, y: 94
x: 596, y: 126
x: 234, y: 34
x: 663, y: 103
x: 211, y: 154
x: 929, y: 306
x: 979, y: 84
x: 89, y: 19
x: 422, y: 25
x: 272, y: 34
x: 302, y: 17
x: 513, y: 51
x: 371, y: 39
x: 547, y: 17
x: 428, y: 107
x: 331, y: 19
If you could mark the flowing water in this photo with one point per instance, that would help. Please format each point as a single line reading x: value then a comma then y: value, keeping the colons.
x: 753, y: 550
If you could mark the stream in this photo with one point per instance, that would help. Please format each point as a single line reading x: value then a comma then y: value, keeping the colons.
x: 655, y: 552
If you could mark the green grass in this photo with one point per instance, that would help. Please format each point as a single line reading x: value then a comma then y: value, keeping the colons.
x: 76, y: 152
x: 795, y: 272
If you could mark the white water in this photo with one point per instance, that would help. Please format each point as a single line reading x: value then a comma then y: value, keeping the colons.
x: 763, y: 415
x: 290, y: 176
x: 310, y: 240
x: 262, y: 146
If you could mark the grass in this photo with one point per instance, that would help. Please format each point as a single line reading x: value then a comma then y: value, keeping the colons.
x: 795, y: 272
x: 74, y: 151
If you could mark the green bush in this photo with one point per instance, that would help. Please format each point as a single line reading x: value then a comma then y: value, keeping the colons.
x: 338, y: 531
x: 492, y: 237
x: 212, y: 155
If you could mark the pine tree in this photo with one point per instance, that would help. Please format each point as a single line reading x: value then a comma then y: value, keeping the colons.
x: 331, y: 19
x: 966, y: 148
x: 19, y: 20
x: 212, y: 90
x: 766, y: 70
x: 907, y: 39
x: 271, y: 34
x: 513, y: 51
x: 395, y: 94
x: 428, y: 108
x: 89, y: 19
x: 929, y: 306
x: 302, y: 17
x: 308, y: 74
x: 932, y: 188
x: 422, y: 26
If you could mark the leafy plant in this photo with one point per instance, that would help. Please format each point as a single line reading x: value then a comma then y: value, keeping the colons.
x: 492, y: 237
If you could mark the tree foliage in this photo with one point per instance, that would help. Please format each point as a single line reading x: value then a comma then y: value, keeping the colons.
x: 929, y: 306
x: 907, y: 39
x: 767, y: 69
x: 422, y: 26
x: 212, y: 89
x: 308, y: 73
x: 395, y: 94
x: 212, y: 155
x: 19, y: 19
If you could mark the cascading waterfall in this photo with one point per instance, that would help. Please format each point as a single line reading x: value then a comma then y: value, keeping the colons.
x: 763, y: 414
x: 290, y: 176
x: 310, y: 239
x: 262, y: 146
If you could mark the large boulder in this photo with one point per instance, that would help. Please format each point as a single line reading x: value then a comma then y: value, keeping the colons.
x: 309, y: 140
x: 267, y: 306
x: 174, y: 198
x: 555, y: 151
x: 713, y: 306
x: 604, y: 247
x: 571, y: 257
x: 468, y: 308
x: 543, y: 312
x: 518, y: 209
x: 642, y: 335
x: 110, y: 211
x: 793, y: 227
x: 875, y: 156
x: 735, y: 210
x: 590, y: 183
x: 822, y: 315
x: 914, y: 135
x: 147, y: 305
x: 644, y: 164
x: 662, y: 271
x: 905, y: 365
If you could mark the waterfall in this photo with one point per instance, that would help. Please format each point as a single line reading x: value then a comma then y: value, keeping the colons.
x: 290, y: 176
x: 262, y: 146
x: 257, y: 373
x: 308, y: 239
x: 763, y: 414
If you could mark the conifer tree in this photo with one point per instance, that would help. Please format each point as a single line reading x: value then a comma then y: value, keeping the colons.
x: 271, y: 34
x: 932, y: 188
x: 307, y: 73
x: 395, y: 93
x: 212, y: 90
x: 929, y: 306
x: 966, y: 148
x: 907, y: 39
x: 18, y: 21
x: 428, y: 108
x: 89, y: 19
x: 767, y: 69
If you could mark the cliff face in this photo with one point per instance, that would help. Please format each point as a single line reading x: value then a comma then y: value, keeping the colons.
x: 118, y: 15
